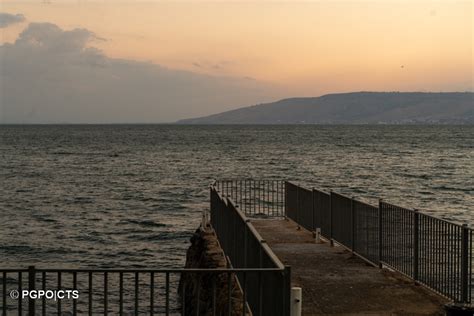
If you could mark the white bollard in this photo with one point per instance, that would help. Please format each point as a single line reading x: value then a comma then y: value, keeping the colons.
x: 205, y: 220
x: 317, y: 235
x: 296, y: 301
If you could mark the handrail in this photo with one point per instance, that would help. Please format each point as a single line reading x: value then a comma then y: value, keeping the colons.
x: 244, y: 246
x: 433, y: 251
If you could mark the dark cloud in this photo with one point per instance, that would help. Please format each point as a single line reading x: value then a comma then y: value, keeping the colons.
x: 50, y: 75
x: 49, y: 36
x: 7, y: 19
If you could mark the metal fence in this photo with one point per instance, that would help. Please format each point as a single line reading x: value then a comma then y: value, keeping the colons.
x: 134, y: 292
x: 267, y: 293
x: 256, y: 273
x: 255, y: 197
x: 432, y: 251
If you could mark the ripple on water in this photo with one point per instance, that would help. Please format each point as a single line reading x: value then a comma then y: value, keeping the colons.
x: 131, y: 196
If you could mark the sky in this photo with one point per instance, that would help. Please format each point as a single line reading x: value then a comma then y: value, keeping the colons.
x: 157, y: 61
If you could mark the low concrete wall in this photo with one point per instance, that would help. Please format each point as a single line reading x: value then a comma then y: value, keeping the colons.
x: 205, y: 253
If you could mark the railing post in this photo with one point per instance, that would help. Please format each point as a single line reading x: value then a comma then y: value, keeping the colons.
x: 287, y: 291
x: 416, y: 244
x: 313, y: 224
x: 286, y: 199
x: 353, y: 228
x: 31, y: 287
x: 464, y: 263
x: 297, y: 206
x: 380, y: 233
x: 234, y: 231
x: 331, y: 241
x: 246, y: 228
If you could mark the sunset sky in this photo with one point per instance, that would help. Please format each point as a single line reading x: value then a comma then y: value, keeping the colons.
x: 298, y: 48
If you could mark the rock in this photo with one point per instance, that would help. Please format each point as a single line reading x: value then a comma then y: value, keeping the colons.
x: 201, y: 288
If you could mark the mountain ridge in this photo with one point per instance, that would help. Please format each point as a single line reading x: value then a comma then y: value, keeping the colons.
x: 362, y: 107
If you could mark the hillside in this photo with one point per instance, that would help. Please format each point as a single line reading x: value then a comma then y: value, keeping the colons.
x: 355, y: 108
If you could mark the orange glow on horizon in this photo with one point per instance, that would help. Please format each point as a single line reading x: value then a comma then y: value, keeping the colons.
x: 309, y: 48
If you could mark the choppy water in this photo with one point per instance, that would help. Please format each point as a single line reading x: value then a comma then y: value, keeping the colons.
x: 131, y: 196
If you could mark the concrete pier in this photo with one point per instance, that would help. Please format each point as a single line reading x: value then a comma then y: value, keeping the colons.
x: 336, y: 282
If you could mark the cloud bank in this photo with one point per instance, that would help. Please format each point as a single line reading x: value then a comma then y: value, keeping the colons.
x: 7, y: 19
x: 49, y: 75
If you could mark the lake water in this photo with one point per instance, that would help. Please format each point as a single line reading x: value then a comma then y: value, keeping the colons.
x: 131, y: 195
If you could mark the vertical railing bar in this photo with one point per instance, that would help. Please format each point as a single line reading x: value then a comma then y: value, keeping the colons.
x: 428, y: 241
x: 267, y: 198
x: 448, y: 262
x: 432, y: 255
x: 20, y: 311
x: 352, y: 225
x: 470, y: 265
x: 273, y: 198
x: 136, y: 292
x: 260, y: 293
x: 240, y: 197
x: 421, y: 240
x: 214, y: 298
x: 265, y: 190
x: 4, y: 293
x: 415, y: 245
x: 445, y: 261
x: 436, y: 254
x: 250, y: 197
x: 244, y: 294
x: 74, y: 286
x: 121, y: 293
x: 443, y: 258
x: 167, y: 284
x: 106, y: 281
x: 264, y: 208
x: 451, y: 260
x: 380, y: 231
x: 331, y: 217
x: 31, y: 287
x: 439, y: 285
x: 405, y: 243
x: 90, y: 294
x: 464, y: 263
x: 454, y: 256
x: 258, y: 197
x: 229, y: 302
x: 198, y: 296
x: 59, y: 287
x: 460, y: 267
x: 277, y: 200
x: 152, y: 293
x: 183, y: 294
x: 436, y: 265
x: 43, y: 287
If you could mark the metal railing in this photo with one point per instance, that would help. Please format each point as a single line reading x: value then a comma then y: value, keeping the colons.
x: 255, y: 197
x: 132, y: 291
x: 258, y: 277
x: 269, y: 292
x: 432, y: 251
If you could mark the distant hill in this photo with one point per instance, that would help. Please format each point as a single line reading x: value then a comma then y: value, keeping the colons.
x: 355, y: 108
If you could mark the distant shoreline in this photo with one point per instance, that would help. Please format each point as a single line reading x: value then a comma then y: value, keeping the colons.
x: 234, y: 124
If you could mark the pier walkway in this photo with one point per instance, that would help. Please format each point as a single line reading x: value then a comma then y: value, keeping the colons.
x: 335, y: 282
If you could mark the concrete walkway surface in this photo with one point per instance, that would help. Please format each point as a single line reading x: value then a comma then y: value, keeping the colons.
x: 335, y: 282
